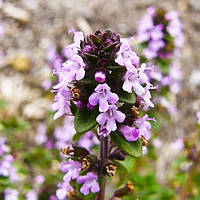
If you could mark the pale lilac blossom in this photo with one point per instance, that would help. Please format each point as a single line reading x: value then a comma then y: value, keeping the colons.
x: 171, y: 108
x: 177, y: 145
x: 144, y: 126
x: 63, y: 191
x: 130, y: 133
x: 41, y: 137
x: 126, y: 57
x: 103, y: 96
x: 73, y: 48
x: 173, y: 80
x: 31, y: 195
x: 195, y: 78
x: 146, y: 96
x: 110, y: 117
x: 39, y: 179
x: 64, y: 134
x: 100, y: 76
x: 132, y: 83
x: 89, y: 182
x: 88, y: 140
x: 62, y: 104
x: 72, y: 169
x: 102, y: 131
x: 198, y: 117
x: 11, y: 194
x: 3, y: 147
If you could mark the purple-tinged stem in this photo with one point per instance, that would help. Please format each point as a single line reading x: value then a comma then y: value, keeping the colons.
x: 103, y: 157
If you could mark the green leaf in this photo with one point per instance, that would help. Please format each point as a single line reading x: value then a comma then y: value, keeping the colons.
x: 85, y: 120
x: 116, y: 67
x: 73, y: 108
x: 163, y: 65
x: 95, y: 39
x: 87, y: 81
x: 77, y: 136
x: 133, y: 149
x: 110, y: 47
x: 127, y: 97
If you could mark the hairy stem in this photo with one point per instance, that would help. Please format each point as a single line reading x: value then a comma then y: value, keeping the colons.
x: 186, y: 187
x: 103, y: 157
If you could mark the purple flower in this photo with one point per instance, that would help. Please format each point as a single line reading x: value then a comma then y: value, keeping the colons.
x: 103, y: 96
x: 3, y: 147
x: 102, y: 131
x: 178, y: 144
x: 40, y: 137
x: 39, y: 179
x: 144, y: 28
x: 88, y: 140
x: 31, y: 195
x: 1, y: 30
x: 126, y: 57
x: 147, y: 96
x: 155, y: 45
x: 110, y: 117
x: 171, y: 108
x: 173, y: 80
x: 198, y: 117
x: 149, y: 54
x: 73, y: 69
x: 71, y: 168
x: 100, y: 76
x: 61, y: 102
x: 89, y: 182
x: 155, y: 73
x: 153, y: 33
x: 46, y: 84
x: 131, y: 82
x: 144, y: 126
x: 156, y: 33
x: 51, y: 53
x: 63, y: 191
x: 130, y: 133
x: 10, y: 194
x: 72, y: 49
x: 64, y: 134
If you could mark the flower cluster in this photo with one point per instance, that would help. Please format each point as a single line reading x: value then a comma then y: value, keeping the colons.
x: 198, y: 117
x: 160, y: 33
x: 6, y: 167
x: 64, y: 134
x: 102, y: 84
x: 72, y: 170
x: 33, y: 194
x: 11, y: 194
x: 160, y: 36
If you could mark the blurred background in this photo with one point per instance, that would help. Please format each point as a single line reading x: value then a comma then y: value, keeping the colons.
x: 28, y: 30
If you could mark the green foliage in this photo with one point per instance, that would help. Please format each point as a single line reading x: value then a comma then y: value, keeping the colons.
x: 163, y: 64
x: 13, y: 125
x: 131, y: 148
x: 85, y: 120
x: 147, y: 188
x: 2, y: 104
x: 126, y: 97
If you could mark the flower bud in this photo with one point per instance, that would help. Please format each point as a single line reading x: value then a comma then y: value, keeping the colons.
x: 144, y: 141
x: 100, y: 76
x: 85, y: 163
x: 110, y: 169
x: 67, y: 151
